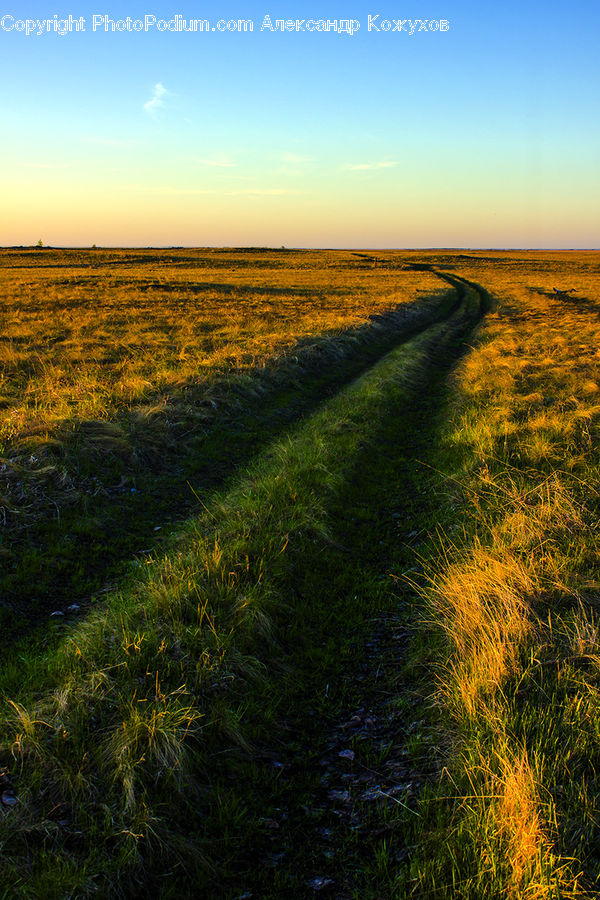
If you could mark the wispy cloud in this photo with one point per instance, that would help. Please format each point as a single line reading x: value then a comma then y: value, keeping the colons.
x: 294, y: 158
x: 157, y: 100
x: 185, y: 191
x: 164, y: 189
x: 363, y: 167
x: 262, y: 192
x: 220, y: 161
x: 294, y: 165
x: 39, y: 165
x: 110, y: 142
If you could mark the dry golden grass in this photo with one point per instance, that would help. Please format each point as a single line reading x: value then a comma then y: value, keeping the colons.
x: 131, y: 731
x: 480, y: 602
x: 88, y: 335
x: 117, y: 352
x: 515, y: 602
x: 110, y: 348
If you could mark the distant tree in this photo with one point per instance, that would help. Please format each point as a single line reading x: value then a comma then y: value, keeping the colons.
x: 40, y: 243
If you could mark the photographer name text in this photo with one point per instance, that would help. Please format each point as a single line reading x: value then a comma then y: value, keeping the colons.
x: 149, y: 23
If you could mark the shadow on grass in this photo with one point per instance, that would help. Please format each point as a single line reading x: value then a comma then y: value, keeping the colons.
x: 382, y: 522
x: 70, y: 559
x: 331, y: 583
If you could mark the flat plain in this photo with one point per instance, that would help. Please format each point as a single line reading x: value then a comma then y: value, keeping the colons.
x: 299, y: 566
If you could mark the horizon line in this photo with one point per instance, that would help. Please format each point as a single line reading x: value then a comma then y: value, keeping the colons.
x: 279, y: 247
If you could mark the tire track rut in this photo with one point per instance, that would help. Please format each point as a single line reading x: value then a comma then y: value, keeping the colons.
x: 344, y: 771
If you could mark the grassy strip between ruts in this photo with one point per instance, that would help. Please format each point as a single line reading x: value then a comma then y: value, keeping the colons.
x: 515, y: 606
x: 51, y: 561
x: 119, y: 736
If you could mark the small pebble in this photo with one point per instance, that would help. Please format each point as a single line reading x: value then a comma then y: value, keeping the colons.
x: 317, y: 884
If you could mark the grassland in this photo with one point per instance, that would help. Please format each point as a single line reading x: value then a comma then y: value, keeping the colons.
x: 117, y: 369
x: 362, y: 646
x: 516, y: 598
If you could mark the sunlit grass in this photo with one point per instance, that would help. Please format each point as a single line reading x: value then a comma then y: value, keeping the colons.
x: 121, y: 353
x: 122, y: 728
x: 154, y: 697
x: 515, y: 677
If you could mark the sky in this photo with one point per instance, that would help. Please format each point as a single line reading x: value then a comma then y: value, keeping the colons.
x: 484, y: 134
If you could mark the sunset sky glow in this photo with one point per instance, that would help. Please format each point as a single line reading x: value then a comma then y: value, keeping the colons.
x: 486, y: 135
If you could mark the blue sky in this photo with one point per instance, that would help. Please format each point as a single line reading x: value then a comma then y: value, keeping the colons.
x: 487, y: 134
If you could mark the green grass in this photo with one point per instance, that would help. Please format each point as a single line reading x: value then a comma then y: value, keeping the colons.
x: 392, y: 562
x: 92, y: 492
x: 512, y: 600
x: 153, y: 706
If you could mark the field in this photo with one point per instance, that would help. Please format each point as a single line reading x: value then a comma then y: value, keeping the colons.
x: 300, y: 576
